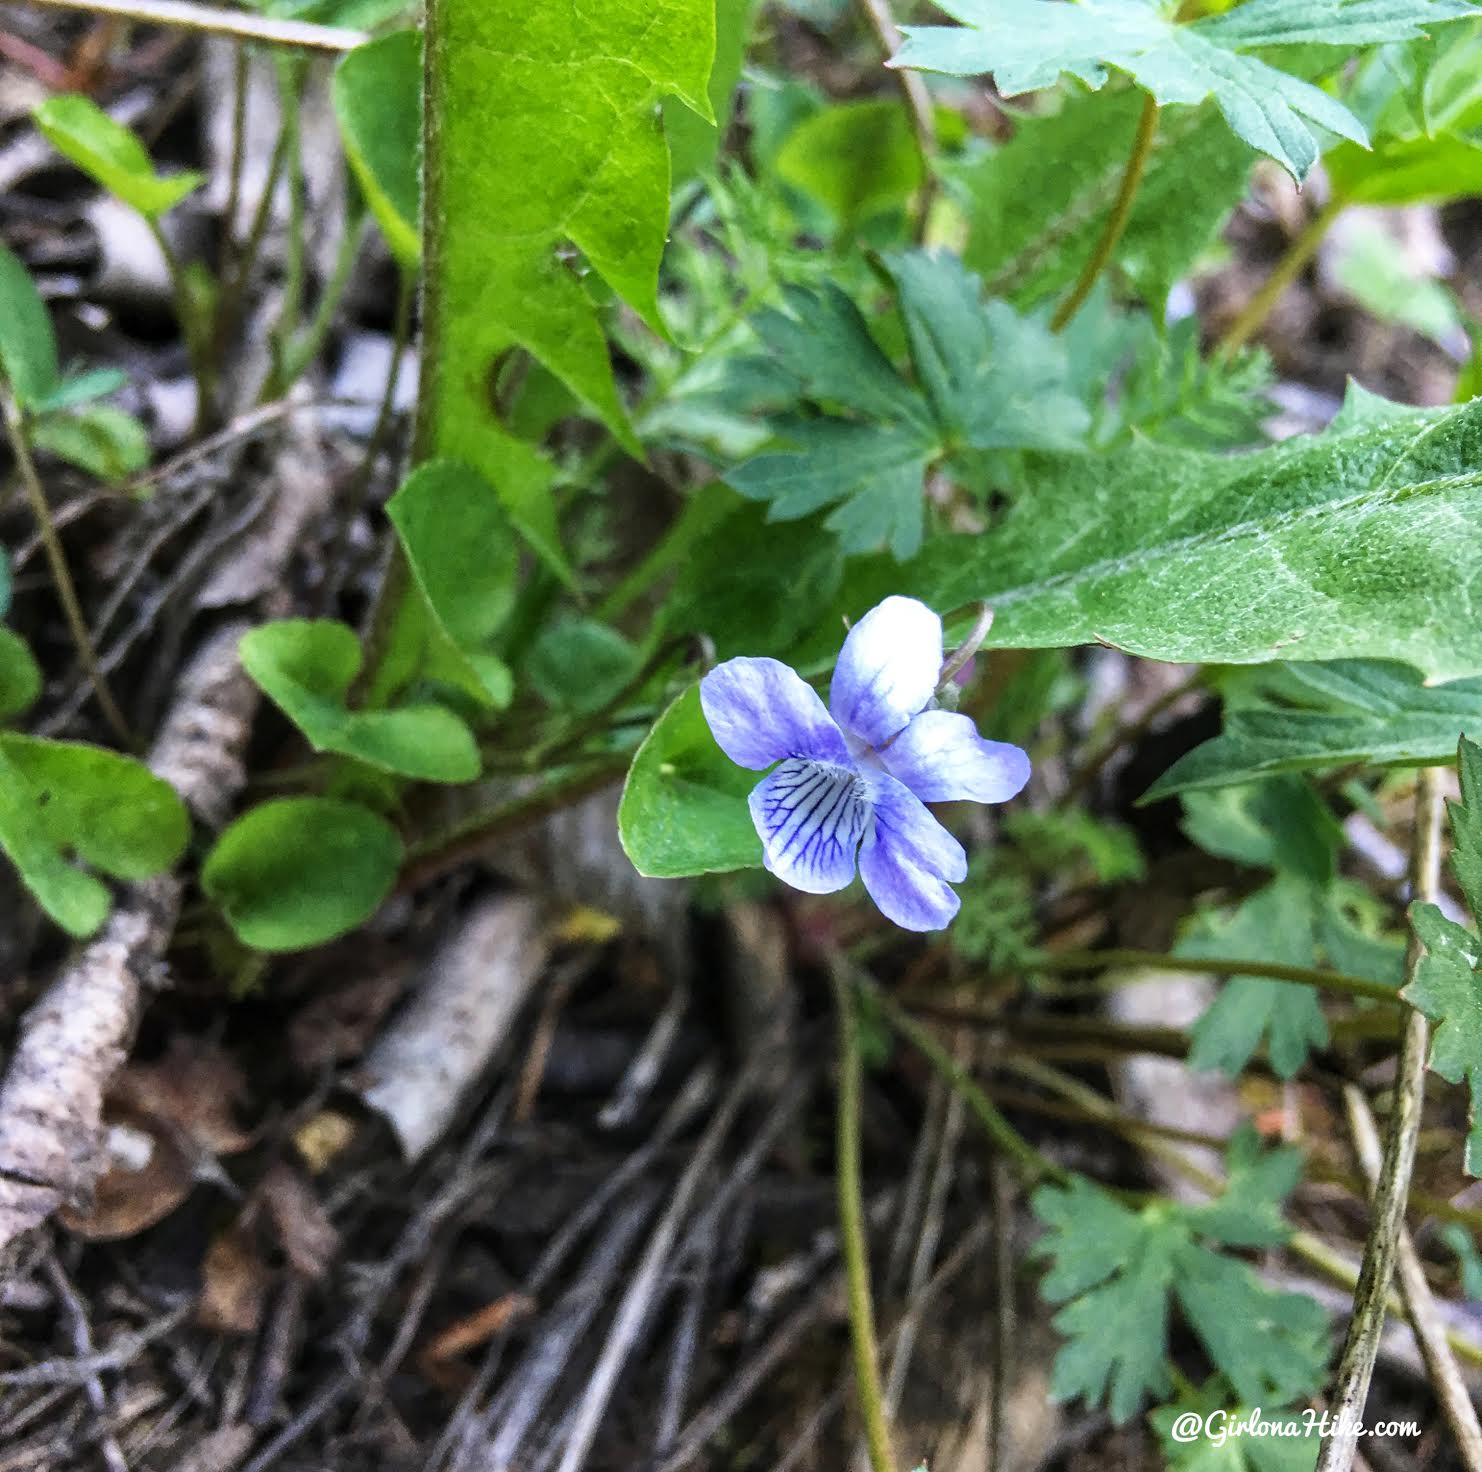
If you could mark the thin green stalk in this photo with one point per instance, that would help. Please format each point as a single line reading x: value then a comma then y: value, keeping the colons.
x: 61, y: 578
x: 233, y: 290
x: 919, y: 109
x: 442, y: 852
x: 1287, y: 269
x: 1116, y: 221
x: 305, y: 347
x: 238, y: 160
x: 1329, y: 981
x: 380, y: 623
x: 1360, y: 1348
x: 191, y: 326
x: 852, y: 1233
x: 1008, y: 1140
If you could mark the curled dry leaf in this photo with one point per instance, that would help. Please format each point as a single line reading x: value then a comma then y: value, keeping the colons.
x: 234, y: 1282
x: 146, y: 1178
x: 195, y: 1088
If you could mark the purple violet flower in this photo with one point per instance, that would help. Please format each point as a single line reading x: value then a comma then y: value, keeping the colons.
x: 854, y: 778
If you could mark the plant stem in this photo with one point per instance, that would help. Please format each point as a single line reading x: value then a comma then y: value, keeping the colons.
x: 61, y: 578
x: 1287, y: 269
x: 380, y: 624
x: 917, y: 98
x: 1008, y: 1140
x: 219, y: 22
x: 1116, y: 221
x: 1356, y: 1366
x: 852, y: 1232
x: 1420, y: 1305
x: 197, y: 347
x: 1330, y: 981
x: 238, y: 161
x: 435, y: 856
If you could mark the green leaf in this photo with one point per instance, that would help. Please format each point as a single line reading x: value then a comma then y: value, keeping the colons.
x: 1466, y: 826
x: 548, y: 139
x: 683, y: 809
x: 1229, y: 1438
x: 457, y: 539
x: 111, y: 154
x: 20, y: 678
x: 1248, y: 1213
x: 1037, y: 206
x: 378, y: 101
x: 1271, y: 1346
x: 460, y: 545
x: 1448, y: 990
x: 1275, y: 924
x: 28, y: 347
x: 752, y: 586
x: 104, y: 441
x: 1417, y: 170
x: 856, y: 159
x: 306, y: 667
x: 1238, y: 559
x: 1121, y: 1269
x: 694, y: 140
x: 81, y: 388
x: 1280, y: 823
x: 1118, y: 1267
x: 1308, y: 716
x: 76, y: 901
x: 579, y: 665
x: 1028, y: 44
x: 112, y: 812
x: 985, y: 378
x: 299, y: 871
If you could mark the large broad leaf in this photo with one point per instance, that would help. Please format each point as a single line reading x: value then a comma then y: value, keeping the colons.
x: 1308, y: 716
x: 683, y: 808
x: 299, y: 871
x: 111, y: 154
x: 1029, y: 44
x: 548, y: 139
x: 306, y: 666
x: 28, y: 347
x: 1238, y: 559
x: 1037, y: 206
x: 61, y: 798
x: 378, y: 101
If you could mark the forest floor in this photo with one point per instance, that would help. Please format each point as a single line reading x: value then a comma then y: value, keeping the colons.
x: 597, y: 1230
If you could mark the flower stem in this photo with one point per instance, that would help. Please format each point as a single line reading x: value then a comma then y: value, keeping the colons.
x: 1008, y: 1140
x: 852, y: 1232
x: 1116, y: 221
x: 61, y: 578
x: 1331, y: 981
x: 1287, y: 269
x: 1356, y: 1366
